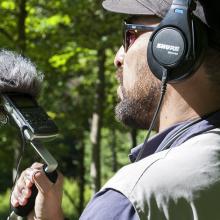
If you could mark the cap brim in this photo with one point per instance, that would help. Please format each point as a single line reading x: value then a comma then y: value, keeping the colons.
x: 132, y: 7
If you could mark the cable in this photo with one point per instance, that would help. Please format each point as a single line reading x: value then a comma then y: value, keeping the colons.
x: 23, y: 146
x: 162, y: 94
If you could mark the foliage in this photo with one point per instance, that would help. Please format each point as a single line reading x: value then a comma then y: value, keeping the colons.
x: 4, y: 207
x: 71, y: 198
x: 63, y: 37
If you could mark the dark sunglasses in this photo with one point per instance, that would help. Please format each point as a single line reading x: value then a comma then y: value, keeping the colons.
x: 132, y: 31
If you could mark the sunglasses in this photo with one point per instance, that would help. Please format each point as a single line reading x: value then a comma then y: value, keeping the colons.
x: 132, y: 31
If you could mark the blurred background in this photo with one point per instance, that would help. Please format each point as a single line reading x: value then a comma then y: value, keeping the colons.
x: 73, y: 43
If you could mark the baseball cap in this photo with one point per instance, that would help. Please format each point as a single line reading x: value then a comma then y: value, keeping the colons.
x: 208, y: 11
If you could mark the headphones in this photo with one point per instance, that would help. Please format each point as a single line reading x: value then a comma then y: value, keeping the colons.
x: 178, y: 44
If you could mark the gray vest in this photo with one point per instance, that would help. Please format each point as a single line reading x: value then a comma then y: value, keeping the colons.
x: 181, y: 183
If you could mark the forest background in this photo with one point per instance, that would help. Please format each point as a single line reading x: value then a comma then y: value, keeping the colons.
x: 73, y: 43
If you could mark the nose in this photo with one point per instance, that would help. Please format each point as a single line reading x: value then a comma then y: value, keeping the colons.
x: 119, y: 57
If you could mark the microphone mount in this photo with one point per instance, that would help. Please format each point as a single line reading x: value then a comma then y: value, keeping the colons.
x: 35, y: 126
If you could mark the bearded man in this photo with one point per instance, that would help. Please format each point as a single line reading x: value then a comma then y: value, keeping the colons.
x: 176, y: 173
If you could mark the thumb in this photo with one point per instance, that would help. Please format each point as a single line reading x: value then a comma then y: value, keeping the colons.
x: 42, y: 182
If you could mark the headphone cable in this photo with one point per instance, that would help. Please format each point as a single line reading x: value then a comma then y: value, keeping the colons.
x: 162, y: 94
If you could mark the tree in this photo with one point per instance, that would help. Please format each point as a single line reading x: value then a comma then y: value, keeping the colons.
x: 73, y: 43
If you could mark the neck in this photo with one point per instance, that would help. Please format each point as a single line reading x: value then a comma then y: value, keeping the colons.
x: 188, y: 100
x: 175, y: 109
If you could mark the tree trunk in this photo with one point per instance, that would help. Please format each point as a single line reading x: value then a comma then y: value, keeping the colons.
x: 97, y: 122
x: 81, y: 175
x: 22, y: 15
x: 114, y: 151
x: 21, y: 44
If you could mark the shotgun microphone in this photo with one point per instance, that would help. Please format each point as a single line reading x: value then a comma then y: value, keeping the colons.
x: 20, y: 84
x: 18, y: 74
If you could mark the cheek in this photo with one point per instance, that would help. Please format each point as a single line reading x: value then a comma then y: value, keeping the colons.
x: 130, y: 75
x: 135, y: 63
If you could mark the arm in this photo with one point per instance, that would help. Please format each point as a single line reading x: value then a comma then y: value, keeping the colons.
x: 49, y: 198
x: 109, y: 204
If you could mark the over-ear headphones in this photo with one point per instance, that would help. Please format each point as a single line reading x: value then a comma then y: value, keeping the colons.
x: 178, y: 44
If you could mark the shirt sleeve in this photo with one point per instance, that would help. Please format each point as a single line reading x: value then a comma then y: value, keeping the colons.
x: 109, y: 205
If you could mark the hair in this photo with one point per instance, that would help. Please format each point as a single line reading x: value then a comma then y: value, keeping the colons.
x: 212, y: 65
x: 18, y: 74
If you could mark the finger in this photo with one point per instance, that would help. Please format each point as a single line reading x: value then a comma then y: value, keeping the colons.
x: 14, y: 201
x: 28, y: 183
x: 21, y: 198
x: 22, y: 190
x: 25, y: 181
x: 60, y: 180
x: 42, y: 182
x: 26, y: 193
x: 16, y: 197
x: 26, y: 177
x: 18, y: 189
x: 30, y: 173
x: 37, y: 165
x: 22, y: 201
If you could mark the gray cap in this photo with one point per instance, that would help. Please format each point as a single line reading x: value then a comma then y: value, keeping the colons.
x: 161, y: 7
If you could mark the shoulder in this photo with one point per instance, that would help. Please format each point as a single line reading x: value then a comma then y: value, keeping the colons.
x: 179, y: 176
x: 173, y: 165
x: 109, y: 204
x: 189, y: 167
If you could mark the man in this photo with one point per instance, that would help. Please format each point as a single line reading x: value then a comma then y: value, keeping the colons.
x: 178, y: 174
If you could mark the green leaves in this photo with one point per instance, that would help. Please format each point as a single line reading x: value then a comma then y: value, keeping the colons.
x: 64, y: 38
x: 8, y: 5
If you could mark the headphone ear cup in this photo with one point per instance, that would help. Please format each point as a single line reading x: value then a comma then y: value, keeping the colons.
x: 177, y: 45
x: 166, y: 49
x: 154, y: 66
x: 200, y: 42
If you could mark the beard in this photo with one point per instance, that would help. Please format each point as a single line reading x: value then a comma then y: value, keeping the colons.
x: 137, y: 107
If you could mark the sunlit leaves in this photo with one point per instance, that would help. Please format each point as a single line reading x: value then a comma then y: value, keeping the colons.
x: 48, y: 23
x: 60, y: 60
x: 8, y: 5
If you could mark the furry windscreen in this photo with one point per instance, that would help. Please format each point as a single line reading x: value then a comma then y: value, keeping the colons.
x: 18, y: 74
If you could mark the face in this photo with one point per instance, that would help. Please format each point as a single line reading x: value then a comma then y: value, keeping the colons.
x: 139, y: 90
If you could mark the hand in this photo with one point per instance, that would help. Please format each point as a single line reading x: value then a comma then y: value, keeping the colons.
x: 49, y: 198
